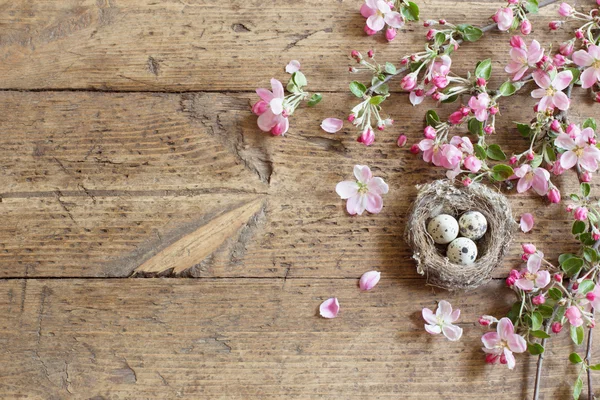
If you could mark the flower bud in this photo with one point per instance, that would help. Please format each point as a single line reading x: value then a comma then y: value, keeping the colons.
x: 456, y: 118
x: 558, y: 278
x: 555, y: 125
x: 565, y: 10
x: 570, y: 207
x: 517, y: 42
x: 530, y: 155
x: 430, y: 34
x: 525, y: 256
x: 526, y: 27
x: 436, y: 96
x: 481, y: 82
x: 260, y: 107
x: 351, y: 117
x: 356, y: 55
x: 442, y: 22
x: 415, y: 149
x: 370, y: 53
x: 488, y: 129
x: 513, y: 160
x: 409, y: 82
x: 566, y: 48
x: 596, y: 236
x: 367, y: 137
x: 579, y: 34
x: 590, y: 296
x: 581, y: 213
x: 493, y: 110
x: 440, y: 81
x: 487, y: 320
x: 466, y: 181
x: 380, y: 126
x: 528, y: 248
x: 352, y: 70
x: 586, y: 177
x: 554, y: 195
x: 369, y: 31
x: 538, y: 300
x: 559, y: 60
x: 556, y: 327
x: 554, y: 25
x: 429, y: 132
x: 390, y: 34
x: 402, y: 140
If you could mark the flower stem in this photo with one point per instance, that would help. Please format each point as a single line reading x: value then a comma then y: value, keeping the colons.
x: 588, y: 357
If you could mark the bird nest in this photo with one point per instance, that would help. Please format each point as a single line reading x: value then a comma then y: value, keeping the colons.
x: 446, y: 197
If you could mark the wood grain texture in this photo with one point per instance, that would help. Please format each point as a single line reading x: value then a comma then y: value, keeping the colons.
x: 179, y: 45
x: 251, y: 338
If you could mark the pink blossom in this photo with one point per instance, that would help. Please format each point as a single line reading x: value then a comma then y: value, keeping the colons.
x: 472, y: 163
x: 526, y: 27
x: 504, y: 17
x: 479, y: 105
x: 364, y: 193
x: 456, y: 117
x: 574, y: 316
x: 369, y: 279
x: 442, y: 321
x: 526, y: 222
x: 532, y: 277
x: 293, y: 66
x: 595, y: 298
x: 581, y: 213
x: 390, y: 34
x: 550, y: 91
x: 367, y: 137
x: 272, y: 117
x: 528, y: 248
x: 378, y: 13
x: 329, y: 308
x: 566, y: 48
x: 579, y: 150
x: 539, y: 299
x: 565, y: 10
x: 512, y: 277
x: 450, y: 156
x: 591, y: 60
x: 332, y: 125
x: 517, y: 42
x: 504, y: 342
x: 429, y: 132
x: 537, y: 178
x: 409, y: 81
x: 522, y: 59
x: 554, y: 195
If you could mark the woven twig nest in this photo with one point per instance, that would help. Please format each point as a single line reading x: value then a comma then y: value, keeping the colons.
x: 446, y: 197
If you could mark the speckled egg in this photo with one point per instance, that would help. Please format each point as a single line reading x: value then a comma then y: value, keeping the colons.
x: 472, y: 225
x: 443, y: 228
x: 462, y: 251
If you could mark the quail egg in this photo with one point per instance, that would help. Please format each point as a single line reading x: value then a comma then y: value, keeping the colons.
x: 472, y: 225
x: 443, y: 228
x: 462, y: 251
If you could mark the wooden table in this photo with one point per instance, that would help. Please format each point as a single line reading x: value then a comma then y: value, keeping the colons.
x: 127, y: 141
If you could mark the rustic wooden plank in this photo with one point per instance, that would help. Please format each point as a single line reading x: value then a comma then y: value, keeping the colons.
x: 252, y: 338
x: 101, y: 218
x: 208, y: 45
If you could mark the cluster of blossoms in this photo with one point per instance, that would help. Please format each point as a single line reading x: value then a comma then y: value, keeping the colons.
x: 388, y: 15
x: 514, y: 15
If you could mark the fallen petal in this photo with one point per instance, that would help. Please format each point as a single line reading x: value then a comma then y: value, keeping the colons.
x: 332, y: 125
x: 369, y: 280
x: 526, y: 222
x: 293, y: 66
x: 329, y: 308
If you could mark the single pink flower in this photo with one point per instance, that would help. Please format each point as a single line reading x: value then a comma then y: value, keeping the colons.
x: 472, y: 163
x: 581, y: 213
x: 363, y: 194
x: 378, y: 13
x: 538, y: 178
x: 522, y: 59
x: 293, y: 66
x: 369, y: 279
x: 479, y: 106
x: 574, y: 316
x: 450, y: 156
x: 550, y: 91
x: 504, y: 17
x: 579, y: 150
x: 273, y: 119
x: 504, y: 342
x: 332, y: 125
x: 367, y: 137
x: 462, y: 143
x: 329, y: 308
x: 532, y: 277
x: 591, y: 60
x: 442, y: 321
x: 526, y: 222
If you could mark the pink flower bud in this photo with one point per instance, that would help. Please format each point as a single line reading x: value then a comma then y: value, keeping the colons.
x: 556, y: 327
x: 260, y: 107
x: 351, y: 117
x: 525, y: 257
x: 466, y: 181
x: 539, y: 299
x: 481, y: 82
x: 510, y: 281
x: 369, y: 279
x: 367, y: 137
x: 380, y: 126
x: 369, y: 31
x: 570, y: 207
x: 390, y: 34
x: 455, y: 118
x: 590, y: 296
x: 526, y: 27
x: 352, y: 70
x: 436, y: 96
x: 575, y: 286
x: 554, y: 25
x: 554, y: 195
x: 586, y: 177
x: 559, y: 60
x: 415, y: 149
x: 565, y: 10
x: 488, y: 129
x: 465, y: 110
x: 440, y: 81
x: 370, y: 53
x: 513, y: 1
x: 566, y: 48
x: 517, y: 42
x: 513, y: 160
x: 280, y: 129
x: 555, y: 125
x: 442, y: 22
x: 429, y: 132
x: 530, y: 155
x: 430, y: 34
x: 356, y: 55
x: 404, y: 61
x: 493, y: 110
x: 409, y: 82
x: 581, y: 213
x: 428, y: 23
x: 487, y: 320
x: 402, y: 140
x: 558, y: 278
x: 473, y: 164
x: 491, y: 358
x: 528, y: 248
x: 579, y: 34
x: 596, y: 236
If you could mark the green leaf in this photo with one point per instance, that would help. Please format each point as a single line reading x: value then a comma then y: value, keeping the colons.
x: 484, y: 69
x: 410, y: 11
x: 575, y: 358
x: 577, y: 334
x: 577, y: 387
x: 587, y: 239
x: 469, y: 32
x: 536, y: 320
x: 535, y: 349
x: 585, y: 189
x: 357, y: 88
x: 524, y: 130
x: 376, y: 100
x: 507, y: 89
x: 531, y: 6
x: 549, y: 154
x: 382, y: 89
x: 475, y: 126
x: 578, y: 227
x: 586, y: 286
x: 545, y: 310
x: 291, y: 86
x: 564, y: 257
x: 480, y: 152
x: 555, y: 294
x: 595, y: 367
x: 299, y: 79
x: 440, y: 38
x: 390, y: 68
x: 315, y: 99
x: 494, y: 152
x: 539, y: 334
x: 432, y: 118
x: 572, y: 265
x: 537, y: 161
x: 513, y: 314
x: 501, y: 172
x: 450, y: 99
x: 589, y: 123
x: 590, y: 255
x: 575, y: 73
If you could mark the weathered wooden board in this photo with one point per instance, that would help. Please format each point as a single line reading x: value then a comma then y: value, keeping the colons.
x: 251, y: 338
x: 179, y: 45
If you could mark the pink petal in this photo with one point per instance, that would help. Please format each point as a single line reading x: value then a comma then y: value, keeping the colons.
x: 568, y: 159
x: 329, y: 308
x: 454, y: 316
x: 369, y: 279
x: 266, y: 121
x: 564, y: 141
x: 561, y: 100
x: 490, y: 340
x: 346, y: 189
x: 452, y: 332
x: 524, y: 284
x: 538, y: 93
x: 264, y: 94
x: 293, y: 66
x: 520, y: 73
x: 362, y: 173
x: 277, y: 88
x: 429, y: 316
x: 535, y: 53
x: 589, y: 160
x: 510, y: 358
x: 540, y: 182
x: 594, y: 51
x: 374, y: 203
x: 534, y: 262
x: 444, y: 309
x: 588, y: 78
x: 377, y: 186
x: 523, y: 185
x: 505, y: 328
x: 276, y: 105
x: 332, y: 125
x: 513, y: 66
x: 526, y: 222
x: 582, y: 58
x: 375, y: 22
x: 356, y: 204
x: 367, y: 11
x: 562, y: 80
x: 545, y: 103
x: 394, y: 19
x: 543, y: 279
x: 516, y: 343
x: 383, y: 6
x: 433, y: 329
x: 282, y: 124
x: 542, y: 79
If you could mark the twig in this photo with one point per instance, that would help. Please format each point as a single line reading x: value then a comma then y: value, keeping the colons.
x: 540, y: 361
x: 588, y: 357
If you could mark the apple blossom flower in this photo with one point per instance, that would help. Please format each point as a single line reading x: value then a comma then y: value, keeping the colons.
x: 574, y: 316
x: 504, y: 17
x: 550, y: 91
x: 442, y: 321
x: 522, y: 59
x: 293, y: 66
x: 472, y: 163
x: 526, y: 222
x: 329, y: 308
x: 579, y: 150
x: 591, y: 60
x: 479, y: 106
x: 364, y: 193
x: 512, y: 277
x: 537, y: 178
x: 526, y: 27
x: 581, y: 213
x: 504, y: 342
x: 378, y: 13
x: 332, y: 125
x: 532, y: 278
x: 272, y: 117
x: 566, y: 48
x: 517, y: 42
x: 369, y: 280
x: 367, y: 137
